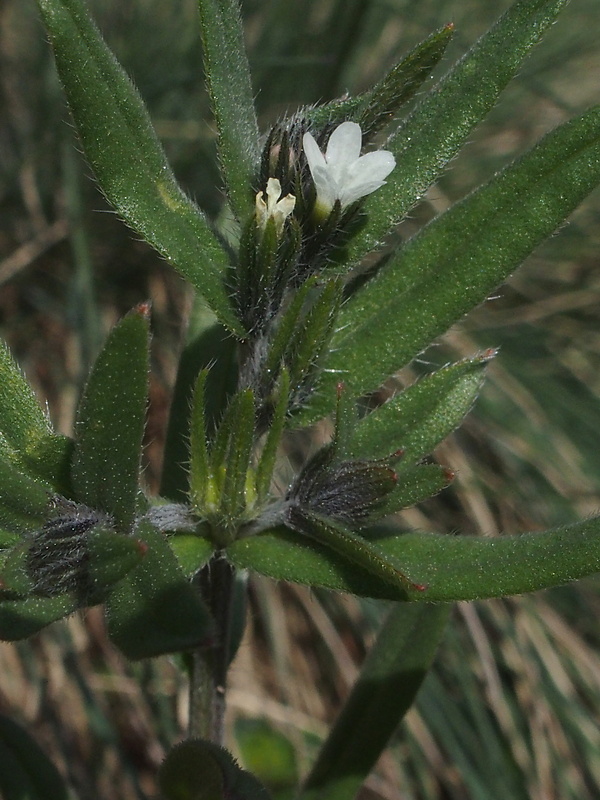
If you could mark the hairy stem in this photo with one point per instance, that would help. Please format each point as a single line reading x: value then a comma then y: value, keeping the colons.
x: 209, y: 664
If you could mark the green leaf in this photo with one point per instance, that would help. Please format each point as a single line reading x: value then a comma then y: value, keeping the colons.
x: 351, y: 546
x: 415, y: 484
x: 110, y: 423
x: 208, y: 345
x: 442, y: 121
x: 24, y: 501
x: 239, y: 452
x: 268, y: 457
x: 200, y: 770
x: 7, y: 540
x: 127, y: 158
x: 154, y: 609
x: 417, y: 419
x: 228, y: 80
x: 26, y: 436
x: 402, y: 82
x: 200, y: 472
x: 377, y: 107
x: 389, y: 680
x: 191, y: 551
x: 313, y: 335
x: 26, y: 772
x: 20, y: 619
x: 287, y: 555
x: 454, y: 263
x: 451, y: 567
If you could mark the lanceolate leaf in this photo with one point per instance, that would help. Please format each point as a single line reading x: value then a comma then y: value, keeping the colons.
x: 401, y: 84
x: 350, y: 546
x: 451, y: 567
x: 419, y: 418
x: 126, y: 156
x: 228, y: 79
x: 442, y: 121
x: 26, y: 436
x: 376, y: 108
x: 458, y: 259
x: 208, y: 345
x: 389, y: 680
x: 110, y: 423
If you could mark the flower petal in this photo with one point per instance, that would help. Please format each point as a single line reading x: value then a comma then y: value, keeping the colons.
x: 344, y: 144
x: 365, y: 175
x: 313, y: 154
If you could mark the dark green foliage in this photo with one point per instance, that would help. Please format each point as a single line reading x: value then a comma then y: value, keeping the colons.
x: 26, y: 773
x: 110, y: 423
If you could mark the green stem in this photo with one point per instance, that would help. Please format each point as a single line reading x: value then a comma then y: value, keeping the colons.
x: 209, y: 665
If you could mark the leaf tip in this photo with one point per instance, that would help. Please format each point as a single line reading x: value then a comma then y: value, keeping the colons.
x: 449, y: 475
x: 490, y: 353
x: 143, y: 309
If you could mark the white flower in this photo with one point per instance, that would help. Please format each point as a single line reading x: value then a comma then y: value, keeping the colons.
x: 279, y: 209
x: 342, y: 173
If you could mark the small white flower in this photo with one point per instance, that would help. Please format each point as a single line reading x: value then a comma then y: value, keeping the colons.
x: 342, y: 173
x: 279, y: 209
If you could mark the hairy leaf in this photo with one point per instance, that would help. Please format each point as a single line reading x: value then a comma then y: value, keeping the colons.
x: 451, y: 567
x: 228, y: 79
x: 110, y: 423
x: 127, y: 158
x: 444, y: 118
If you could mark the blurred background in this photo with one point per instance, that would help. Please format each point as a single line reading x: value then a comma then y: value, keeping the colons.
x: 511, y: 708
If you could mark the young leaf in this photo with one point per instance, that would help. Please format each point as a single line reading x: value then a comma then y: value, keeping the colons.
x: 377, y: 107
x: 127, y: 158
x: 241, y: 440
x: 414, y: 485
x: 199, y: 459
x: 460, y: 257
x: 312, y: 337
x: 266, y: 464
x: 154, y: 609
x: 402, y: 82
x: 24, y: 501
x: 420, y: 417
x: 228, y: 80
x: 110, y: 423
x: 451, y: 567
x: 386, y: 687
x: 208, y: 345
x: 442, y: 121
x: 191, y: 551
x: 26, y: 436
